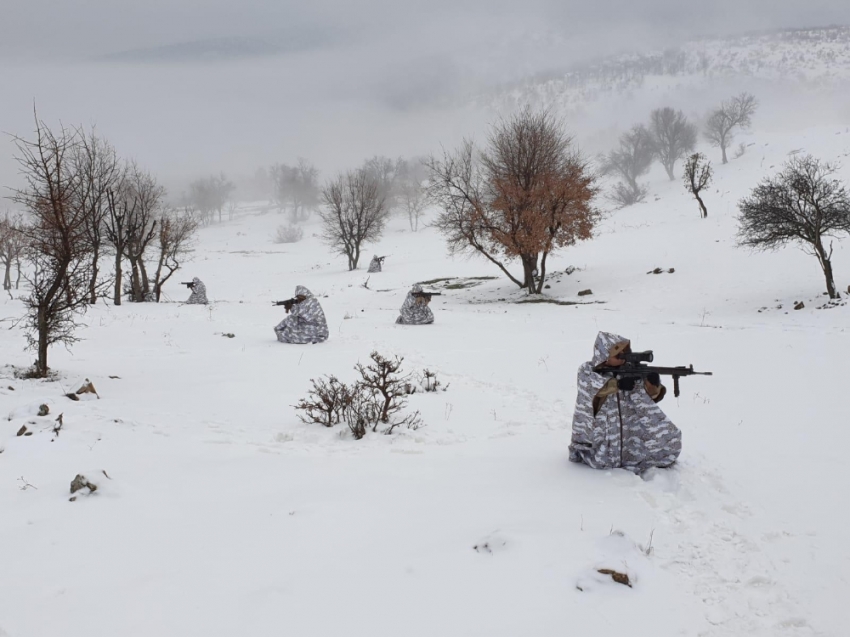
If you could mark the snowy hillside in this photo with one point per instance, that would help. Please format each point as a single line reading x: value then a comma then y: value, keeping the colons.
x: 222, y: 514
x: 808, y: 58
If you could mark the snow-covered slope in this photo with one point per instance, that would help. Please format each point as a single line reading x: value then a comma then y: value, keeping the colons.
x: 225, y: 515
x: 808, y: 58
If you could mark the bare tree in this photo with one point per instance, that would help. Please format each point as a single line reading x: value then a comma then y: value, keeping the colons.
x: 175, y: 240
x: 386, y: 172
x: 12, y: 246
x: 97, y: 170
x: 147, y: 198
x: 296, y: 188
x: 673, y: 137
x: 210, y: 194
x: 120, y: 214
x: 697, y: 176
x: 57, y: 245
x: 410, y: 191
x: 736, y: 112
x: 631, y: 161
x: 804, y: 205
x: 353, y: 214
x: 526, y: 195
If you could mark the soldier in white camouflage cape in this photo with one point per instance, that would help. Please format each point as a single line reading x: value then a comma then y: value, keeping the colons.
x: 375, y: 264
x: 415, y: 311
x: 199, y: 293
x: 615, y: 428
x: 306, y: 321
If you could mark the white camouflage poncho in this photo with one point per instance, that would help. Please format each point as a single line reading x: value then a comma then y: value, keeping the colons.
x: 415, y: 311
x: 199, y: 293
x: 629, y: 430
x: 306, y: 321
x: 374, y: 264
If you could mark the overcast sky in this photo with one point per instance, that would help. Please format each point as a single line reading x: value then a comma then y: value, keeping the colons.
x: 339, y: 80
x: 91, y: 27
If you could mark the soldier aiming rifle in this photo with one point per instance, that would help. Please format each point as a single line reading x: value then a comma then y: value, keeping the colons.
x: 289, y: 303
x: 634, y: 368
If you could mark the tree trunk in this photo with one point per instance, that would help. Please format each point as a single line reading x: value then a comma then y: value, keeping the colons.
x: 703, y: 210
x: 723, y: 150
x: 146, y: 284
x: 94, y: 274
x: 116, y: 298
x: 41, y: 362
x: 826, y: 266
x: 18, y: 279
x: 7, y: 278
x: 542, y: 273
x: 669, y: 169
x: 529, y: 265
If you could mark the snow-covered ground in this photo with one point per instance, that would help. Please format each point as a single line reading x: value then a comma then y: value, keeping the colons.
x: 224, y: 515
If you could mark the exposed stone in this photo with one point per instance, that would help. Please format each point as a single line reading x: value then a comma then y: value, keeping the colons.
x: 43, y: 410
x: 799, y: 305
x: 620, y: 578
x: 587, y: 292
x: 81, y: 482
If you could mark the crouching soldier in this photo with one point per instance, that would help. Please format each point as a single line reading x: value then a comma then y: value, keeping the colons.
x: 199, y: 292
x: 306, y: 321
x: 415, y: 310
x: 620, y: 424
x: 376, y: 264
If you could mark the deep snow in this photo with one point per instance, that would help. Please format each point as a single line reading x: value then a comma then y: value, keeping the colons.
x: 225, y: 515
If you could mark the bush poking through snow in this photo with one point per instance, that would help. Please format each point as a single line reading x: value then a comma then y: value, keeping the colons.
x: 429, y: 382
x: 326, y: 402
x: 384, y: 381
x: 376, y: 400
x: 289, y: 234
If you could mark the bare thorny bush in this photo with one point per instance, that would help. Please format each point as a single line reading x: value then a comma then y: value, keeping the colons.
x: 375, y: 401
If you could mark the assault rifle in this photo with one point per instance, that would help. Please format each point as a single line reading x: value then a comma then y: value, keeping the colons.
x: 381, y: 259
x: 288, y: 303
x: 189, y: 284
x: 635, y: 369
x: 426, y: 295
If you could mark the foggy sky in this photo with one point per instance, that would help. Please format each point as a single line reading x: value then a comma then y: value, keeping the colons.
x: 68, y: 28
x: 335, y: 82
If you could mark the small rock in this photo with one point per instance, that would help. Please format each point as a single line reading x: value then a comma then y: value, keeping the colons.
x: 671, y: 270
x: 620, y: 578
x: 87, y: 388
x: 587, y: 292
x: 799, y: 305
x: 229, y: 335
x: 72, y: 396
x: 547, y: 286
x: 22, y: 430
x: 655, y: 271
x: 80, y: 482
x: 115, y: 377
x: 10, y: 388
x: 43, y: 410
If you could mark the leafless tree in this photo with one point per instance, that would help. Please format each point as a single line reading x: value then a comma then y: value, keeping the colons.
x: 631, y: 161
x: 12, y: 246
x: 736, y: 112
x: 386, y: 172
x: 410, y: 191
x: 175, y: 239
x: 673, y: 137
x: 120, y: 214
x: 526, y: 195
x: 805, y: 205
x: 97, y: 170
x: 147, y: 198
x: 697, y: 176
x: 57, y: 249
x: 353, y: 214
x: 210, y: 194
x: 296, y: 188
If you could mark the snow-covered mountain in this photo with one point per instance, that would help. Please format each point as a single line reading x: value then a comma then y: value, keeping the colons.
x: 807, y: 57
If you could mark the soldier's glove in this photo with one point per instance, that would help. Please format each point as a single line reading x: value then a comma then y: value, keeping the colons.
x: 654, y: 379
